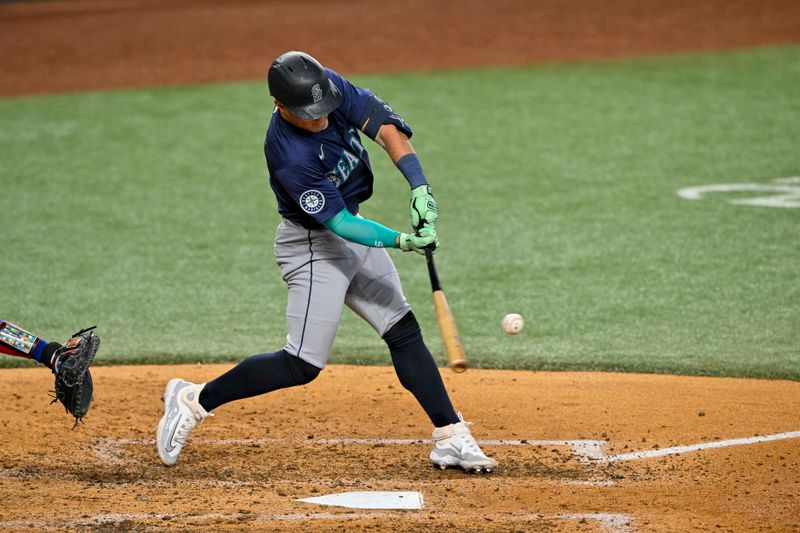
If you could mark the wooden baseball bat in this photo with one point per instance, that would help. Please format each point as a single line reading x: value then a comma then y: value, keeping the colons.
x: 453, y: 348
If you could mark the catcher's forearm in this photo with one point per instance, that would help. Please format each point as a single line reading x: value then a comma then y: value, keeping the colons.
x: 20, y: 343
x: 17, y: 342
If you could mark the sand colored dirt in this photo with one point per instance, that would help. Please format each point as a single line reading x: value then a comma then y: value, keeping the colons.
x: 245, y: 467
x: 98, y: 44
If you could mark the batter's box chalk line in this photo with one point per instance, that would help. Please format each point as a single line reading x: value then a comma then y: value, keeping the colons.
x: 112, y: 450
x: 610, y: 522
x: 588, y: 451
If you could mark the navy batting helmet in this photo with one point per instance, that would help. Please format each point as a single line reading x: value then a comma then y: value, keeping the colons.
x: 301, y: 84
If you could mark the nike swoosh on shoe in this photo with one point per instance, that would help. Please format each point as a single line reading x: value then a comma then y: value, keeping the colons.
x: 169, y: 446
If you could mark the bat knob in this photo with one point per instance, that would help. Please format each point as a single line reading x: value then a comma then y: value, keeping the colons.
x: 458, y: 366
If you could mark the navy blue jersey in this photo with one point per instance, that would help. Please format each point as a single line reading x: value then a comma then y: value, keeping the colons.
x: 316, y: 175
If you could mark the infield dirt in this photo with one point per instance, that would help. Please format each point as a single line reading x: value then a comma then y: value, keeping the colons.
x: 247, y: 466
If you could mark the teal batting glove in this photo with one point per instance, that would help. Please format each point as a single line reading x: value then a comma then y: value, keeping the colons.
x: 423, y: 207
x: 426, y: 236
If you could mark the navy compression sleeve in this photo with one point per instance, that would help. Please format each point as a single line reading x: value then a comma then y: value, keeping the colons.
x: 411, y: 169
x: 361, y: 230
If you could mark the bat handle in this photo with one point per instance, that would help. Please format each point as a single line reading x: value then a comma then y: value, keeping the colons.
x: 432, y: 273
x: 435, y: 284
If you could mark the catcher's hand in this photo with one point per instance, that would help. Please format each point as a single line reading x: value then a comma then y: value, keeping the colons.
x: 74, y: 387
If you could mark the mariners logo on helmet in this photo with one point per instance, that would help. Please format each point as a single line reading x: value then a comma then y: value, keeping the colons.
x: 312, y: 201
x: 302, y: 85
x: 316, y: 93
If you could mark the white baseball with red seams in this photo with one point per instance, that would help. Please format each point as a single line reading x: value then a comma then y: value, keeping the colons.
x: 512, y: 323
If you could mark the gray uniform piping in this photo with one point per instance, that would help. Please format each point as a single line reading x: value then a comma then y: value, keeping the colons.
x: 310, y: 287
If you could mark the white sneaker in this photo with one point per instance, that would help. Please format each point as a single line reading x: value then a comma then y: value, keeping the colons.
x: 454, y: 445
x: 182, y: 412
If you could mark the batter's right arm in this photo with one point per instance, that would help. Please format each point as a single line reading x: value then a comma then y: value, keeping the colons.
x: 371, y: 233
x: 422, y: 207
x: 395, y: 142
x: 382, y: 124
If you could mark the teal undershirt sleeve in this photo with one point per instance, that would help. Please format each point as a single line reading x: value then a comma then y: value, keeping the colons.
x: 361, y: 230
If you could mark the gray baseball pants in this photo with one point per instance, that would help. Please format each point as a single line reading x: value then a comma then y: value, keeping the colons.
x: 324, y: 272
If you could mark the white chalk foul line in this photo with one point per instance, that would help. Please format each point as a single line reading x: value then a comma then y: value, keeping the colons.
x: 697, y: 447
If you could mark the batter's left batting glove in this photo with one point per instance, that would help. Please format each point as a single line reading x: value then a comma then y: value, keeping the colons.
x: 423, y: 207
x: 426, y: 236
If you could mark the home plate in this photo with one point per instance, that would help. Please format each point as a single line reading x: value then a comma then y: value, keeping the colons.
x: 370, y: 500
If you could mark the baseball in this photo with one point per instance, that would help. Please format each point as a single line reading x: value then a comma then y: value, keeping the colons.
x: 512, y: 323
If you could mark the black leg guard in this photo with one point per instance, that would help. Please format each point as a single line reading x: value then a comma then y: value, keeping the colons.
x: 417, y: 370
x: 258, y: 374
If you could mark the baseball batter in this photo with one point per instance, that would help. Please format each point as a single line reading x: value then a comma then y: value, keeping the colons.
x: 330, y: 257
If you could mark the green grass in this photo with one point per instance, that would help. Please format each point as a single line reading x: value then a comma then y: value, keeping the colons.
x: 149, y: 213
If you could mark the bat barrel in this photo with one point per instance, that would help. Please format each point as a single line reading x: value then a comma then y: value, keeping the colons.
x: 453, y: 348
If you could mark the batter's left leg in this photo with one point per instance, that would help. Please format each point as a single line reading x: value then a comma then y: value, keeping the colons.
x: 417, y: 371
x: 376, y: 295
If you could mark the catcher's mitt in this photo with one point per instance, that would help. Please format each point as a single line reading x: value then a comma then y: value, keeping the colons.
x: 74, y: 387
